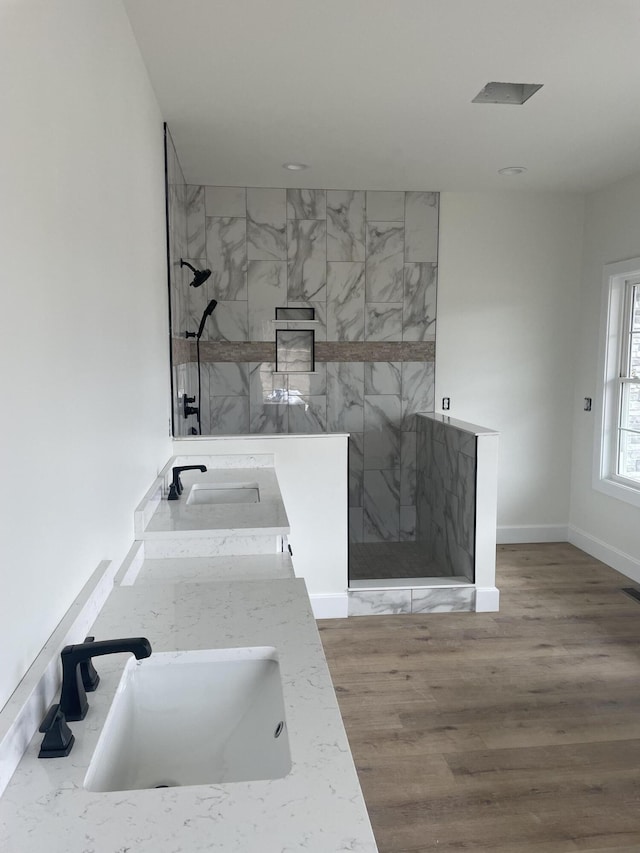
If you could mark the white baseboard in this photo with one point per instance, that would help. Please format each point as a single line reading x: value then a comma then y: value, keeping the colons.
x: 487, y: 599
x: 515, y: 535
x: 619, y: 560
x: 333, y: 606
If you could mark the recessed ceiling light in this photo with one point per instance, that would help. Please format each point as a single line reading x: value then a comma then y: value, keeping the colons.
x: 512, y: 170
x: 295, y: 167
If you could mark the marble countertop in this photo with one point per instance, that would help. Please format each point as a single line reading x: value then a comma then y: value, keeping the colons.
x: 251, y: 567
x: 268, y: 516
x: 465, y: 426
x: 317, y: 807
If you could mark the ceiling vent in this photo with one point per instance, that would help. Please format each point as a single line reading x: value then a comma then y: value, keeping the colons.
x: 506, y: 93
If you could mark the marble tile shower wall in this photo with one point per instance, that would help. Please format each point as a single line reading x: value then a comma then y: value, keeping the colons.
x: 366, y: 261
x: 446, y: 496
x: 183, y: 374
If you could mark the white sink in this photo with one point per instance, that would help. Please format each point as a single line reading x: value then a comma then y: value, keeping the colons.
x: 229, y: 493
x: 194, y: 718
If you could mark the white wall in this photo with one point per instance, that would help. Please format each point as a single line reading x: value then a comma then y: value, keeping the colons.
x: 605, y: 526
x: 312, y: 474
x: 509, y: 266
x: 83, y: 318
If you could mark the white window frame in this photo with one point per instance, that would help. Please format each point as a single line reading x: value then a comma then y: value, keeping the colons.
x: 612, y: 347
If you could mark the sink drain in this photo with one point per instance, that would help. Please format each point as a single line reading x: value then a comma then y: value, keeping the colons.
x: 279, y: 729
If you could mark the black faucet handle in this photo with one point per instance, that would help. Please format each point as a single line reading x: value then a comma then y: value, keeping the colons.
x: 90, y: 678
x: 58, y: 737
x: 177, y: 482
x: 73, y: 699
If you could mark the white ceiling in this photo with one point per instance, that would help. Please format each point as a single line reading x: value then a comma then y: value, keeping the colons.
x: 377, y: 93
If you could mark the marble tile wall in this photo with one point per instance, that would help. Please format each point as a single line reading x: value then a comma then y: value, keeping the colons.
x: 418, y: 600
x: 366, y: 261
x: 178, y: 201
x: 446, y: 496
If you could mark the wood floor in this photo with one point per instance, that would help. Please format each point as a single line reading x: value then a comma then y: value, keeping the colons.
x: 510, y: 732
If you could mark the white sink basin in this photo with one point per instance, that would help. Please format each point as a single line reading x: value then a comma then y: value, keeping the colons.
x: 229, y: 493
x: 194, y: 718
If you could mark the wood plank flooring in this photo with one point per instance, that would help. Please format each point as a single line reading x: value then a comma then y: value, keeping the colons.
x: 509, y: 732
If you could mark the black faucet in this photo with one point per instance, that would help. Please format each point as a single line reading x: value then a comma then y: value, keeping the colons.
x: 73, y: 699
x: 175, y: 489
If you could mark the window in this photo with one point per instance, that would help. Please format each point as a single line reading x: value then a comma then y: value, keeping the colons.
x: 617, y: 468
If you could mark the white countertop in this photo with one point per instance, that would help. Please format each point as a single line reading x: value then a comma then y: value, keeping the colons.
x: 251, y: 567
x: 465, y: 426
x: 268, y: 516
x: 317, y: 807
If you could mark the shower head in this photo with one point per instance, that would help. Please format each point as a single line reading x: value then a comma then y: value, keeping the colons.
x: 199, y: 276
x: 208, y: 311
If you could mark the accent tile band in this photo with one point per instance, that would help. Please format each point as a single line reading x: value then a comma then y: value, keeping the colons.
x: 325, y: 351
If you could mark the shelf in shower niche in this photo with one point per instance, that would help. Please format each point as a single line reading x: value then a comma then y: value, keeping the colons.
x: 295, y: 315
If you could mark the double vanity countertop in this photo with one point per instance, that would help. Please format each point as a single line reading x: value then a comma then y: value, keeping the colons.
x: 317, y: 807
x: 267, y: 516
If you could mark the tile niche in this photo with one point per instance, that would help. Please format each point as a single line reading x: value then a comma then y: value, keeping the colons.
x: 366, y: 263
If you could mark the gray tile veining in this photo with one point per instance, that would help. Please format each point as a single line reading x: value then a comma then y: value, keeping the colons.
x: 381, y: 506
x: 306, y: 204
x: 355, y: 524
x: 227, y: 255
x: 446, y: 497
x: 373, y: 602
x: 381, y: 431
x: 407, y: 523
x: 446, y: 600
x: 345, y: 397
x: 266, y: 224
x: 419, y: 318
x: 346, y: 233
x: 307, y: 253
x: 408, y: 463
x: 356, y: 469
x: 229, y: 322
x: 267, y: 289
x: 195, y: 210
x: 417, y: 391
x: 309, y: 384
x: 385, y: 262
x: 294, y: 350
x: 308, y: 415
x: 383, y: 321
x: 320, y: 308
x: 227, y: 379
x: 229, y: 415
x: 382, y: 377
x: 345, y: 301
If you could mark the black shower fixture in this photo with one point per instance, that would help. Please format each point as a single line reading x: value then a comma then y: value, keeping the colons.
x: 208, y: 311
x: 195, y: 410
x: 199, y: 276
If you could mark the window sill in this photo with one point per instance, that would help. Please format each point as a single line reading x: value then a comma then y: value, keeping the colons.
x: 619, y: 490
